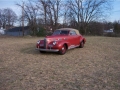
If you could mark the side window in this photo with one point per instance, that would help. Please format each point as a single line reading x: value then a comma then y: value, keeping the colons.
x: 73, y: 33
x: 64, y: 32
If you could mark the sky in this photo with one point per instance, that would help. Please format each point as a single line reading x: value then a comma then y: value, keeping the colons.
x: 114, y: 15
x: 115, y: 12
x: 11, y: 4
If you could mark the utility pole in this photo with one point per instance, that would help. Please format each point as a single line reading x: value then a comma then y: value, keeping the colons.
x: 23, y: 19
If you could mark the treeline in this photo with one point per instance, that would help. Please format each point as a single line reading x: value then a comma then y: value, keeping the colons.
x: 99, y: 28
x: 84, y: 15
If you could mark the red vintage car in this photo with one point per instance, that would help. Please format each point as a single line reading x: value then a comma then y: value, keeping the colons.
x: 61, y: 40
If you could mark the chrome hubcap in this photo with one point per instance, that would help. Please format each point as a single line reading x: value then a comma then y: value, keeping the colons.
x: 63, y: 48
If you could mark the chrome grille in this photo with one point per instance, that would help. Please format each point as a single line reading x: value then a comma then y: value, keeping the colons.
x: 45, y: 43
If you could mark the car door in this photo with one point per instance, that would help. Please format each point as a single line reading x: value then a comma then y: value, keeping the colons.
x: 74, y: 38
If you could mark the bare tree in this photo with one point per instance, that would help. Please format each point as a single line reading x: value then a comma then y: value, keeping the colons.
x: 86, y: 11
x: 69, y: 18
x: 55, y: 8
x: 75, y: 13
x: 7, y: 17
x: 30, y: 14
x: 50, y: 10
x: 42, y: 5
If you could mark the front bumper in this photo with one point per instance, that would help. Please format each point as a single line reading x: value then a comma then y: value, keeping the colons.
x: 48, y: 50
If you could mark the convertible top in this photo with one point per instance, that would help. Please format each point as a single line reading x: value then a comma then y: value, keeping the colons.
x: 71, y: 29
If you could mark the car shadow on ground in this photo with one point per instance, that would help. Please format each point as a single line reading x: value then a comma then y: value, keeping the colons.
x: 29, y: 50
x: 32, y: 50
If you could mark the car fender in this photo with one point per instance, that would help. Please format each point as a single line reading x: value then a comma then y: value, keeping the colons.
x: 61, y: 43
x: 82, y: 39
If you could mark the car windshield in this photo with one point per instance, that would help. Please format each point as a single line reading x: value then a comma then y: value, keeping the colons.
x: 61, y: 32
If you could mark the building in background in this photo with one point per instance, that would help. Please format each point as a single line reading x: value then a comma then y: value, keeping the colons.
x: 17, y: 31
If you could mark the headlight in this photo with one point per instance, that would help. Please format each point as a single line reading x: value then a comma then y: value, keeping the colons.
x: 54, y: 42
x: 38, y: 42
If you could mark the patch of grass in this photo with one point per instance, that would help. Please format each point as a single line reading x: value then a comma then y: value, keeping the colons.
x: 1, y: 60
x: 96, y: 66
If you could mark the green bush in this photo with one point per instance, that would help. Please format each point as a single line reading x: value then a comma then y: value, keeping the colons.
x: 41, y: 32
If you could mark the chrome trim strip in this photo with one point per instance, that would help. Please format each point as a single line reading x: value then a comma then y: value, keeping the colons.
x: 73, y: 46
x: 45, y: 43
x: 48, y: 50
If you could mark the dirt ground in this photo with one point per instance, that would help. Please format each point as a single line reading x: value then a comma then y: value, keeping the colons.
x: 94, y: 67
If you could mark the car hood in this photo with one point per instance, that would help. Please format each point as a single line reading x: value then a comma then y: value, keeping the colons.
x: 56, y: 37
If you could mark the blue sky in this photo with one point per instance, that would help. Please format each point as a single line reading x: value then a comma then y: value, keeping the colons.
x: 115, y: 12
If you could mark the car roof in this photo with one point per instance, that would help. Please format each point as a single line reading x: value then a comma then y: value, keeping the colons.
x: 71, y: 29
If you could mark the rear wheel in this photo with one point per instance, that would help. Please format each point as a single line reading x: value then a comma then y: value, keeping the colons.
x: 81, y: 44
x: 63, y: 50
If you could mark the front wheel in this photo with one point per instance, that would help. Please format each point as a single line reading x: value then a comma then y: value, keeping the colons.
x: 81, y: 45
x: 63, y: 50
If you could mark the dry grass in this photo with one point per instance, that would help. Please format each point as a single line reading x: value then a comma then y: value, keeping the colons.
x: 94, y: 67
